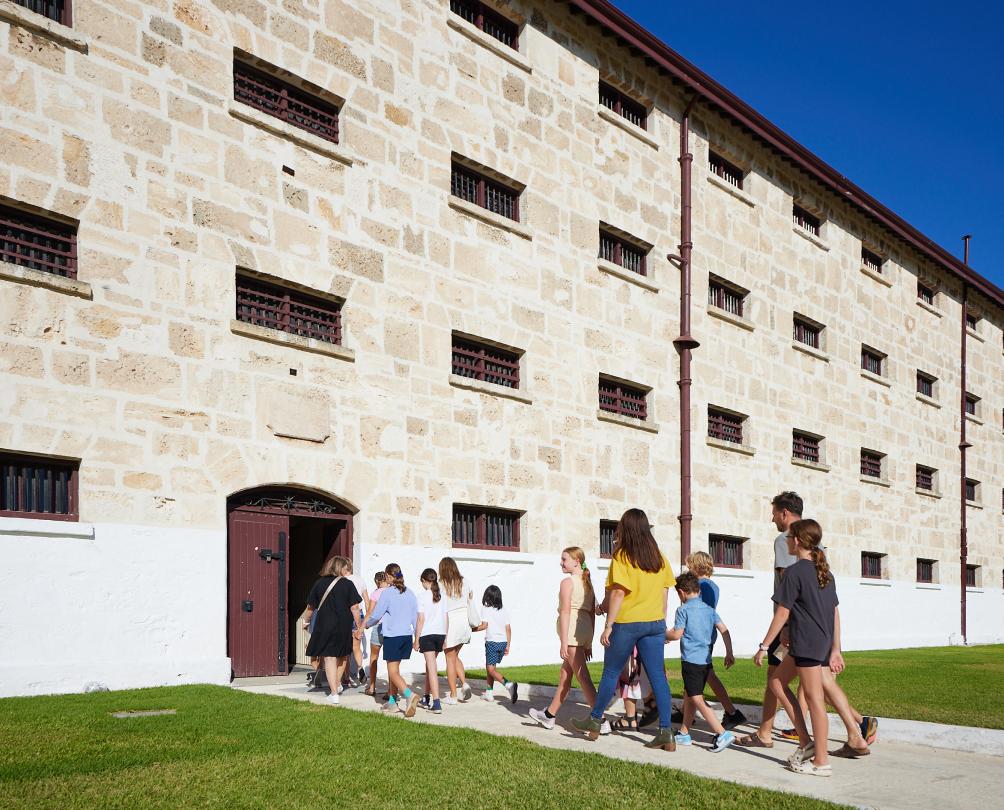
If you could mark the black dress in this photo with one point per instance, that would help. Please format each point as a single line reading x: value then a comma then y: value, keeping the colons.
x: 332, y: 634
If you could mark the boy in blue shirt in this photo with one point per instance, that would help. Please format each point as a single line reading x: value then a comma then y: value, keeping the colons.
x: 694, y: 628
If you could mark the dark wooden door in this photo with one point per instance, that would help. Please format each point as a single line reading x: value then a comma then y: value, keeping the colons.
x: 256, y: 631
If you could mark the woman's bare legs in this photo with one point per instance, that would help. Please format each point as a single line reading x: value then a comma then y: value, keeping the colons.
x: 812, y: 680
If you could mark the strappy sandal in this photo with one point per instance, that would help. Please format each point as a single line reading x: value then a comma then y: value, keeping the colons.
x: 624, y: 724
x: 752, y: 741
x: 847, y: 751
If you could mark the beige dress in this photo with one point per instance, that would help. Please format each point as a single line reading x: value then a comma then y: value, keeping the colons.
x: 580, y: 626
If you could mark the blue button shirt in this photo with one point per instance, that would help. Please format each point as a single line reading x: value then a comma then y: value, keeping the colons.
x: 697, y: 621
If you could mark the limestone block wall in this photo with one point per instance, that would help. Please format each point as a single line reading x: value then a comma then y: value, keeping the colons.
x: 139, y: 372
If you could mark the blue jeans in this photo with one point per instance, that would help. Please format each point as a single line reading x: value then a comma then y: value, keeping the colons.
x: 650, y: 639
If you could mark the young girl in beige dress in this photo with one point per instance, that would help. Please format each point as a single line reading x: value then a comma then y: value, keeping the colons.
x: 576, y: 615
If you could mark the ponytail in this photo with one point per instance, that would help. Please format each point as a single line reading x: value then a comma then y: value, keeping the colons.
x: 429, y: 575
x: 579, y: 556
x: 808, y: 534
x: 393, y: 571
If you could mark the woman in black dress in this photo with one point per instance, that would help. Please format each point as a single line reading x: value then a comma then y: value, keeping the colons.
x: 336, y: 602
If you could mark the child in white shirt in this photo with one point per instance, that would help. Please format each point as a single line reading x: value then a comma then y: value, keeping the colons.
x: 498, y: 639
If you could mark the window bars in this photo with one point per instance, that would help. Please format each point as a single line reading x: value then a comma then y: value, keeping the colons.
x: 729, y: 172
x: 623, y: 399
x: 58, y: 10
x: 487, y: 20
x: 807, y: 333
x: 484, y: 192
x: 626, y: 107
x: 724, y: 426
x: 726, y: 552
x: 285, y: 101
x: 871, y: 464
x: 38, y: 488
x: 274, y: 307
x: 479, y: 361
x: 806, y: 221
x: 622, y: 252
x: 805, y: 447
x: 726, y: 297
x: 480, y: 527
x: 38, y: 243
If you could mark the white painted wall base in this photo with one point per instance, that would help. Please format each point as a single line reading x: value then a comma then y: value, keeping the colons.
x: 134, y: 606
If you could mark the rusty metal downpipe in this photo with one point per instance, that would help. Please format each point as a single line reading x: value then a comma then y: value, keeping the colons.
x: 963, y: 446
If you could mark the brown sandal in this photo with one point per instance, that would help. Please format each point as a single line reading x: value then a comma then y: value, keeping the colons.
x: 847, y: 751
x: 752, y: 741
x: 625, y: 724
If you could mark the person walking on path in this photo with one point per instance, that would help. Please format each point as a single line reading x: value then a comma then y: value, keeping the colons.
x: 694, y: 627
x: 356, y: 674
x: 575, y: 626
x: 637, y: 594
x: 701, y: 564
x: 807, y: 596
x: 430, y: 634
x: 458, y: 627
x: 398, y: 609
x: 382, y: 582
x: 336, y: 602
x: 498, y: 642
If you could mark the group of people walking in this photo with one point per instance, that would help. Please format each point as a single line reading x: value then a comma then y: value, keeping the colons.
x: 803, y: 640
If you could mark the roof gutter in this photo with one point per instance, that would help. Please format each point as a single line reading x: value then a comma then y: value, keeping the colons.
x: 715, y: 95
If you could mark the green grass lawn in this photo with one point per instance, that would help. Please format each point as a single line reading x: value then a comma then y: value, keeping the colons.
x: 230, y: 749
x: 956, y: 685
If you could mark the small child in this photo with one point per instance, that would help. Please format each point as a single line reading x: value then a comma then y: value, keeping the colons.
x: 498, y: 637
x: 701, y: 564
x: 629, y: 685
x: 693, y: 627
x: 382, y: 582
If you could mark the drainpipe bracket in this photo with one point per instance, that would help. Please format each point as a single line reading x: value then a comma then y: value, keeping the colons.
x: 964, y: 445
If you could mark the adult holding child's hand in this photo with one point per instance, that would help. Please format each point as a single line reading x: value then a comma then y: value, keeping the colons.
x: 637, y: 594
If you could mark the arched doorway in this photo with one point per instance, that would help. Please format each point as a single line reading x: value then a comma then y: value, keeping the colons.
x: 277, y: 540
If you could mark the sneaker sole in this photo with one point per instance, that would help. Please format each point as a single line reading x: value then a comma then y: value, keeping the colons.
x: 412, y: 706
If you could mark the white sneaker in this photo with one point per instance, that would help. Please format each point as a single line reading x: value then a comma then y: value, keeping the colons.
x: 605, y: 728
x: 513, y: 689
x: 340, y: 689
x: 333, y: 699
x: 543, y: 719
x: 488, y: 695
x: 465, y: 692
x: 449, y: 700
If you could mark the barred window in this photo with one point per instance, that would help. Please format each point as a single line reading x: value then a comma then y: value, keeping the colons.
x: 622, y: 252
x: 608, y: 529
x: 622, y: 398
x: 480, y: 361
x: 487, y: 20
x: 481, y: 527
x: 871, y: 565
x: 805, y: 446
x: 725, y: 426
x: 729, y: 172
x: 871, y: 260
x: 485, y: 192
x: 627, y: 108
x: 925, y: 478
x: 972, y: 490
x: 37, y: 242
x: 925, y: 384
x: 38, y: 487
x: 726, y: 552
x: 971, y: 574
x: 871, y: 463
x: 724, y: 295
x: 925, y: 293
x: 925, y: 570
x: 806, y: 221
x: 972, y: 321
x: 872, y: 361
x: 972, y: 404
x: 807, y: 332
x: 285, y: 101
x: 275, y: 307
x: 57, y: 10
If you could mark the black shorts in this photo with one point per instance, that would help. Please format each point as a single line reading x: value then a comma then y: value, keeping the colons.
x: 397, y: 648
x: 772, y: 659
x: 433, y: 643
x: 695, y: 676
x: 810, y: 662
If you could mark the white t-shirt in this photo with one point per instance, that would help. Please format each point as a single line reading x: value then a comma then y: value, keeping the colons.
x: 782, y: 559
x: 434, y: 612
x: 358, y: 583
x: 497, y: 620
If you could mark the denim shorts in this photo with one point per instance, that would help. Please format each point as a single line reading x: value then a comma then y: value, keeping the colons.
x: 376, y: 637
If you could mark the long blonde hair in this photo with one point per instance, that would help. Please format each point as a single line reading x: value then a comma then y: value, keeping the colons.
x: 809, y: 534
x: 449, y: 576
x: 579, y: 556
x: 335, y: 566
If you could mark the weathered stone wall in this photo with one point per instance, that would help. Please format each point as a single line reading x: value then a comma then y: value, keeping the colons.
x: 143, y: 379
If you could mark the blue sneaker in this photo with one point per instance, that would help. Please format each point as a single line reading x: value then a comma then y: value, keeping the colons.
x: 723, y: 741
x: 683, y: 739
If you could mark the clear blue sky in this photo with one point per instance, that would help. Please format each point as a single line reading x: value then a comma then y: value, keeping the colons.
x: 904, y: 98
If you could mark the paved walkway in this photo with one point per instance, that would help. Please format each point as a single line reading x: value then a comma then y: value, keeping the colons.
x: 895, y: 775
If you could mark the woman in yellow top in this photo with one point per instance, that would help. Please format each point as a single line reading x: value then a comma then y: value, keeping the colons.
x: 637, y: 586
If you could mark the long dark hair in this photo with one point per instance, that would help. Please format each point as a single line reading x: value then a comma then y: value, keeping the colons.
x: 492, y: 597
x: 449, y: 575
x: 429, y: 575
x: 393, y: 571
x: 809, y: 534
x: 635, y: 544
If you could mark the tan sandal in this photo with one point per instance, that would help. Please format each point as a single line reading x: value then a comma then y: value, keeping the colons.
x: 752, y: 741
x: 847, y: 751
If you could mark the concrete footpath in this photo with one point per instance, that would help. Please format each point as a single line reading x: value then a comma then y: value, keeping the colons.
x: 897, y: 774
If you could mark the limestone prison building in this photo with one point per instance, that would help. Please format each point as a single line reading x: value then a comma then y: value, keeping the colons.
x: 406, y: 278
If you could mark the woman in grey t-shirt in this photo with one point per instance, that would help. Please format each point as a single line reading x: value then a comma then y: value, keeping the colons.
x: 806, y: 599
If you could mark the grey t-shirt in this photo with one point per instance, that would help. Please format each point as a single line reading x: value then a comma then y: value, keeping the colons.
x: 810, y: 628
x: 782, y: 559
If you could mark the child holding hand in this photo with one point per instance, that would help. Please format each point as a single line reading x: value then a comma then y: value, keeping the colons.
x: 498, y: 637
x: 693, y: 627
